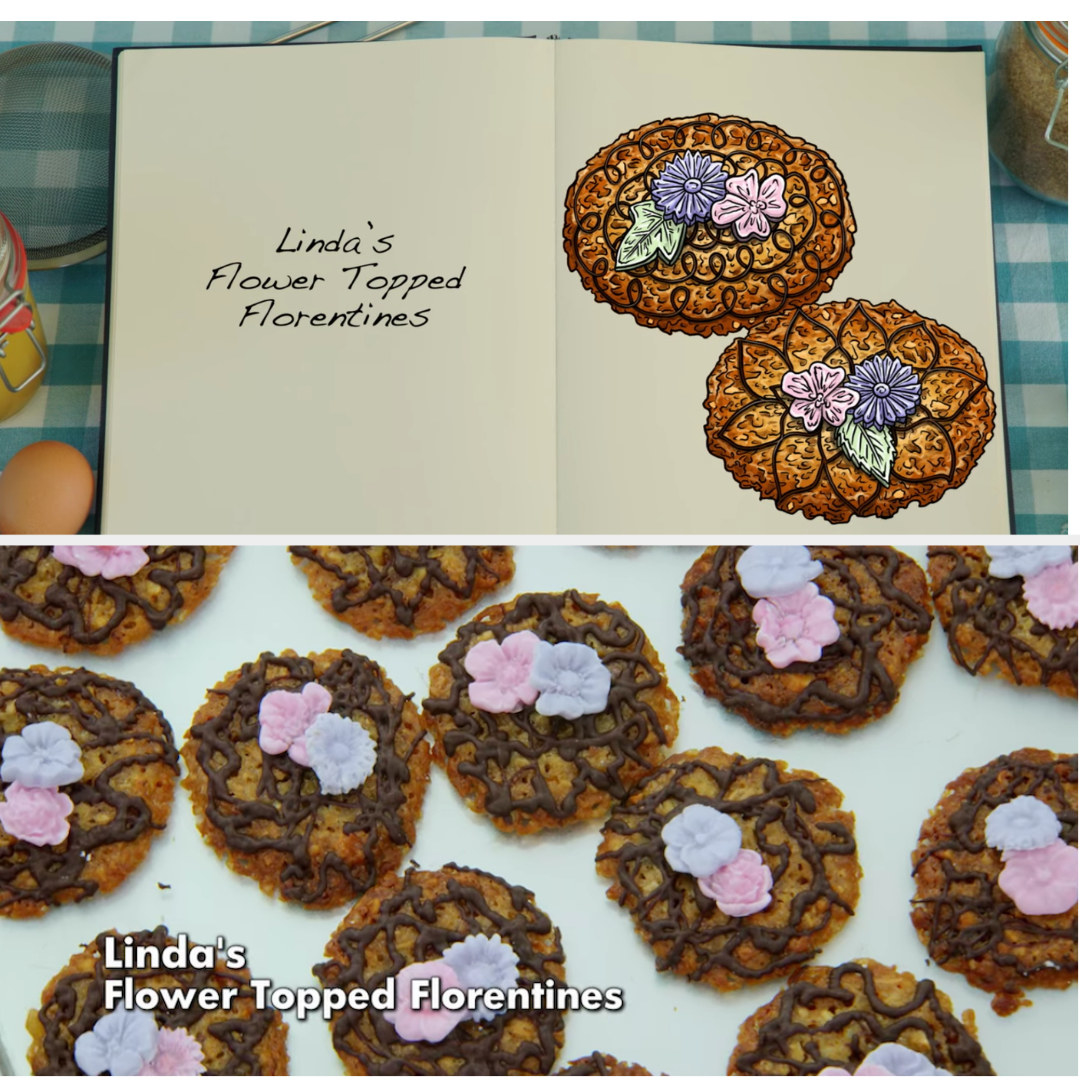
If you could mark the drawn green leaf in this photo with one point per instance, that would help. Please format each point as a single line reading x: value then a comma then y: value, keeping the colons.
x: 650, y: 235
x: 871, y: 449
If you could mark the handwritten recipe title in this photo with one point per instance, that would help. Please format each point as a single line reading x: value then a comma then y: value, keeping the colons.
x: 378, y: 291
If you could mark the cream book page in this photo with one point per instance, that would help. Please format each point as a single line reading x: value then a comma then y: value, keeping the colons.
x: 908, y: 131
x: 332, y: 290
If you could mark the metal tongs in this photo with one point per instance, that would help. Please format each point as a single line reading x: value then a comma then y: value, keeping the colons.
x: 310, y: 28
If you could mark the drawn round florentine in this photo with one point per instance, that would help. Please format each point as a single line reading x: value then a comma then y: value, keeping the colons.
x: 707, y: 224
x: 849, y: 409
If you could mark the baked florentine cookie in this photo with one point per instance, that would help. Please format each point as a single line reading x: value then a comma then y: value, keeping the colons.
x: 529, y: 770
x: 990, y: 627
x: 835, y: 1016
x: 122, y: 800
x: 790, y: 819
x: 240, y: 1039
x: 707, y: 224
x: 882, y: 610
x: 969, y: 924
x: 416, y: 921
x: 402, y: 591
x: 269, y: 815
x: 849, y: 409
x: 49, y: 603
x: 598, y: 1064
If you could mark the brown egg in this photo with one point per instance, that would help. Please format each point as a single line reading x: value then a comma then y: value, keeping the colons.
x: 47, y: 487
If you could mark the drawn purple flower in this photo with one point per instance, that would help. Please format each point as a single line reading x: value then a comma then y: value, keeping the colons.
x: 688, y: 186
x: 888, y: 391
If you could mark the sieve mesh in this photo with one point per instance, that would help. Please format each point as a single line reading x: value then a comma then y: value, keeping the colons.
x: 54, y: 149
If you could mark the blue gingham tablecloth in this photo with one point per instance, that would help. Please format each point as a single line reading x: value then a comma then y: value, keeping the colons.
x: 1030, y: 239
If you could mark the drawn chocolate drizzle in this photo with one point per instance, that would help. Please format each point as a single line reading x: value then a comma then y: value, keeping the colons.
x: 621, y: 730
x: 674, y: 913
x: 385, y: 575
x: 797, y: 1027
x: 57, y: 871
x: 406, y: 932
x: 989, y: 605
x: 726, y: 641
x: 287, y: 802
x: 65, y: 1017
x: 74, y: 602
x: 712, y: 257
x: 972, y: 919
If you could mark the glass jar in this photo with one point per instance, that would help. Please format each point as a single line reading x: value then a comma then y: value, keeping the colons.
x: 1029, y: 107
x: 23, y: 352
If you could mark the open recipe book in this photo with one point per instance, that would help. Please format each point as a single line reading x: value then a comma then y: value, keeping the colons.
x: 492, y: 286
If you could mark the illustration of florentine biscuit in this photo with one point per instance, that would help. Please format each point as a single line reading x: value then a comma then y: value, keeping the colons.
x: 708, y: 224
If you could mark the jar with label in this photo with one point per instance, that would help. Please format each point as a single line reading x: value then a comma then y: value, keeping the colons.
x: 23, y: 352
x: 1029, y: 107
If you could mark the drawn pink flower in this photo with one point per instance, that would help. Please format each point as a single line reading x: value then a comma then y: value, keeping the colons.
x: 285, y: 716
x: 1042, y: 881
x: 425, y: 1024
x: 1051, y: 595
x: 751, y: 207
x: 109, y: 561
x: 742, y: 886
x: 501, y: 673
x: 178, y: 1054
x: 818, y: 393
x: 795, y: 627
x: 37, y: 815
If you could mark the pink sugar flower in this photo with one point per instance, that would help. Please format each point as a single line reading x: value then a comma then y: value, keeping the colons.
x: 37, y: 815
x: 178, y: 1054
x: 425, y: 1024
x: 742, y: 886
x: 795, y: 627
x: 285, y: 716
x: 751, y: 206
x: 501, y: 673
x: 109, y: 561
x: 818, y: 393
x: 1042, y: 881
x: 1051, y: 595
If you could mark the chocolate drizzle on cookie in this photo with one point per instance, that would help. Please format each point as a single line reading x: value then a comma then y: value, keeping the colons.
x: 112, y: 721
x: 625, y: 731
x: 387, y: 569
x: 720, y: 640
x: 407, y: 930
x: 990, y: 606
x: 685, y: 927
x: 77, y: 1002
x: 810, y: 1013
x: 737, y: 278
x: 89, y: 609
x: 970, y: 919
x: 284, y: 813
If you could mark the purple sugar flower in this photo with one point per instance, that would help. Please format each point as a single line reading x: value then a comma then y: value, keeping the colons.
x: 888, y: 391
x: 687, y: 187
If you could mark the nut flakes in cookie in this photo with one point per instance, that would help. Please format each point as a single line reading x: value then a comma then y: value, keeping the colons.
x: 308, y: 774
x: 400, y: 592
x: 471, y: 930
x: 102, y: 599
x: 546, y: 708
x: 88, y: 771
x: 996, y: 876
x: 792, y: 637
x: 1010, y: 611
x: 734, y: 870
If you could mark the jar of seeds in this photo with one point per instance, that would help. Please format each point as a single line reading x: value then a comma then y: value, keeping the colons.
x: 1029, y: 106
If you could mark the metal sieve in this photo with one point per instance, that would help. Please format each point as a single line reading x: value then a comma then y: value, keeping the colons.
x: 54, y: 150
